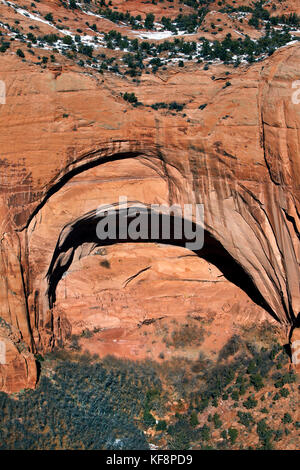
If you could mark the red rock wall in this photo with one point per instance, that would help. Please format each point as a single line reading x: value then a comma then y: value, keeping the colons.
x: 238, y: 156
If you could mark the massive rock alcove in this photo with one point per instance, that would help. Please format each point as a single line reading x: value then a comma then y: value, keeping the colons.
x: 244, y: 169
x: 68, y: 242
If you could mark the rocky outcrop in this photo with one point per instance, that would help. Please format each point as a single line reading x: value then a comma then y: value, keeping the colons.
x: 70, y: 143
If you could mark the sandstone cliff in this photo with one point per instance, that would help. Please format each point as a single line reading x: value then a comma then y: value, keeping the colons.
x: 69, y: 143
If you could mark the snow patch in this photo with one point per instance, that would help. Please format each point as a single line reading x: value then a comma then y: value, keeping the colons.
x: 154, y: 35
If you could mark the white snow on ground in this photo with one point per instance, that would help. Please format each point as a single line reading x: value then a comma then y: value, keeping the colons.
x: 27, y: 13
x: 86, y: 39
x: 238, y: 32
x: 160, y: 34
x: 93, y: 14
x: 97, y: 41
x: 154, y: 35
x: 289, y: 44
x: 90, y: 13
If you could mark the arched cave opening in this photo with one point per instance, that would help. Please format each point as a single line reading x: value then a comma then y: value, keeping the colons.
x: 83, y: 231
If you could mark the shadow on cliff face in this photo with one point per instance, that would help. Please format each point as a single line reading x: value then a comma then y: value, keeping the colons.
x: 84, y: 231
x: 214, y: 252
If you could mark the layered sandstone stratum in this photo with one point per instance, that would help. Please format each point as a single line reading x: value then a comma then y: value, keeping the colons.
x: 69, y: 143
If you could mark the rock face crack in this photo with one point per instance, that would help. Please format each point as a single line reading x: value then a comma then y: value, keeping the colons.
x: 134, y: 276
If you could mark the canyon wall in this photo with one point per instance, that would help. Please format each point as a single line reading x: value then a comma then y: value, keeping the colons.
x: 69, y: 143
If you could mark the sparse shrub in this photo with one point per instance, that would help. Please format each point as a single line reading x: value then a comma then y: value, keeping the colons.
x: 278, y: 435
x: 264, y: 410
x: 49, y: 17
x: 217, y: 421
x: 68, y: 40
x: 203, y: 404
x: 176, y: 106
x: 148, y: 419
x: 284, y: 392
x: 194, y: 419
x: 287, y: 418
x: 245, y: 418
x: 86, y: 333
x: 20, y: 53
x: 205, y: 432
x: 285, y: 379
x: 265, y: 434
x: 130, y: 97
x: 256, y: 380
x: 72, y: 4
x: 161, y: 425
x: 250, y: 402
x: 233, y: 434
